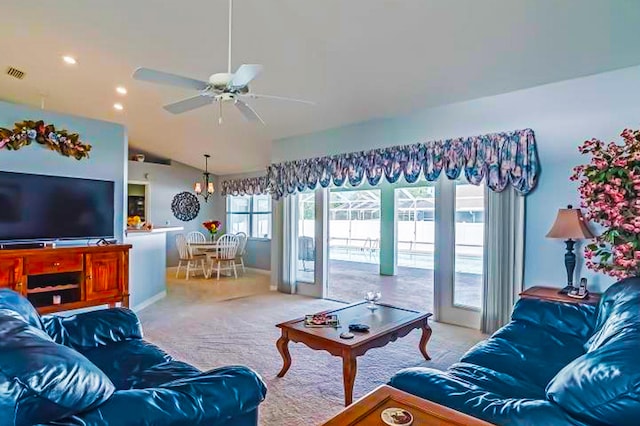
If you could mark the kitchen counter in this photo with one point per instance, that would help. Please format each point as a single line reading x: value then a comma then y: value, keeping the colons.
x: 148, y: 265
x: 156, y: 230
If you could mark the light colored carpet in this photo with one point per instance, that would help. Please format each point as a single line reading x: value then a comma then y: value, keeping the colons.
x: 211, y: 324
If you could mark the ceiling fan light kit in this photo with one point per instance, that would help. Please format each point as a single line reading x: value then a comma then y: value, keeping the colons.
x: 221, y: 87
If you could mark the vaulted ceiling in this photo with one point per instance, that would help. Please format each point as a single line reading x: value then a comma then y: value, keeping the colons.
x: 358, y: 59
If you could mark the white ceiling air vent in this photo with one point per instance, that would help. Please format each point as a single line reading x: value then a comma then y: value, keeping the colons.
x: 15, y: 73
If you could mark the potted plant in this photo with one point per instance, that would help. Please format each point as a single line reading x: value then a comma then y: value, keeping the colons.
x: 609, y: 187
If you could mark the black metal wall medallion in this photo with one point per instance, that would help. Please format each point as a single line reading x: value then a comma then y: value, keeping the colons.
x: 185, y: 206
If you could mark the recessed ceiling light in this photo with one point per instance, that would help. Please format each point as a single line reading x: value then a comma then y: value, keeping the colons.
x: 118, y: 106
x: 122, y: 90
x: 69, y: 60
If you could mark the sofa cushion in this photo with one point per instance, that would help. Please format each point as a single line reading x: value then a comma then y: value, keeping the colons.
x: 521, y: 343
x: 455, y: 392
x: 619, y: 309
x: 160, y: 374
x: 577, y: 320
x: 603, y: 385
x: 125, y: 362
x: 547, y: 335
x: 93, y: 329
x: 40, y: 380
x: 495, y: 381
x: 223, y: 396
x: 12, y: 302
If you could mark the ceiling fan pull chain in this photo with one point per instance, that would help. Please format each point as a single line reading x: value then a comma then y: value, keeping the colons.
x: 219, y: 112
x: 230, y: 22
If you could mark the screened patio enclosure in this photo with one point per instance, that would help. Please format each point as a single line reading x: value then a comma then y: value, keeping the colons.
x: 355, y: 246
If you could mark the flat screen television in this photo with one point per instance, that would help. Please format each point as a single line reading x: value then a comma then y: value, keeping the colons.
x: 38, y: 207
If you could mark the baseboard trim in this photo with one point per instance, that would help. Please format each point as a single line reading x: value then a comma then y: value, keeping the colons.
x: 150, y: 301
x: 259, y: 271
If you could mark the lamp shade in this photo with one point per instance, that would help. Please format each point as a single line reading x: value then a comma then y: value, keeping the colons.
x: 570, y: 224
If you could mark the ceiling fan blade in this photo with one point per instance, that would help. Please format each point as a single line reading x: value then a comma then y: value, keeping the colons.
x: 245, y: 74
x: 188, y: 104
x: 161, y: 77
x: 279, y: 98
x: 247, y: 112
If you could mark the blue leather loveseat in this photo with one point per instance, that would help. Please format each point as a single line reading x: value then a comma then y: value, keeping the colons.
x: 95, y: 369
x: 553, y: 364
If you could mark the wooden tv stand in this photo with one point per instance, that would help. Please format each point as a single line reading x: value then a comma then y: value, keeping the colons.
x: 64, y: 278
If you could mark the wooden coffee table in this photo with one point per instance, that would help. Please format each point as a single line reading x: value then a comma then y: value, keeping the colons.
x: 387, y: 323
x: 367, y: 411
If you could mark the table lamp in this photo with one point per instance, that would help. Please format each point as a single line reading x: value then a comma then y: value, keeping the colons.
x: 569, y: 225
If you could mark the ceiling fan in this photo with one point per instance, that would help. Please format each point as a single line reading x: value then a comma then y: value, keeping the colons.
x: 222, y: 88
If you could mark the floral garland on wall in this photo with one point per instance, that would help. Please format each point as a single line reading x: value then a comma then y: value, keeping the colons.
x: 498, y: 158
x: 26, y: 132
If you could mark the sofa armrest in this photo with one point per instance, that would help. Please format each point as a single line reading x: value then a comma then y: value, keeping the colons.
x: 93, y: 329
x: 474, y: 400
x: 211, y: 398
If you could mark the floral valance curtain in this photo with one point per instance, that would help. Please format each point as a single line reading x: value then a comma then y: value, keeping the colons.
x: 500, y: 158
x: 246, y: 186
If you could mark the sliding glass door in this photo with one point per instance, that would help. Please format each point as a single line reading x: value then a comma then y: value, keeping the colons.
x: 469, y: 248
x: 306, y: 238
x: 354, y: 244
x: 459, y: 252
x: 415, y: 244
x: 433, y: 258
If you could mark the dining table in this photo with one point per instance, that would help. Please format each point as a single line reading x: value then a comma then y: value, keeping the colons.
x: 209, y: 248
x: 206, y: 245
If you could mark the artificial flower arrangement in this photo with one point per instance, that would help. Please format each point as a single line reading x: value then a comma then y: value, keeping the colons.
x: 610, y: 190
x: 213, y: 226
x: 28, y: 131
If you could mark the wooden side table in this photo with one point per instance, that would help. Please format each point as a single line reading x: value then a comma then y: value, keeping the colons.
x: 367, y: 411
x: 550, y: 293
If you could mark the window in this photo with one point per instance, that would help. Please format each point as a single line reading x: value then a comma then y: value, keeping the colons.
x: 249, y: 214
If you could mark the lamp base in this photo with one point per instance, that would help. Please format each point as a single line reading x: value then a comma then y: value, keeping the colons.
x: 568, y: 289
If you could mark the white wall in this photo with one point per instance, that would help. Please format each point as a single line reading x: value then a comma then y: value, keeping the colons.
x: 562, y: 115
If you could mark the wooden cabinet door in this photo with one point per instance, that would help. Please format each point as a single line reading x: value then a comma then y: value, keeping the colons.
x: 11, y: 273
x: 104, y: 275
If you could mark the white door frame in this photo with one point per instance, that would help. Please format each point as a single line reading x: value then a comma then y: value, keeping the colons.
x: 319, y: 287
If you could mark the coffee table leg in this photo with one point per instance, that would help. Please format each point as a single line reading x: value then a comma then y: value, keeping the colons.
x: 283, y: 347
x: 426, y: 335
x: 349, y: 370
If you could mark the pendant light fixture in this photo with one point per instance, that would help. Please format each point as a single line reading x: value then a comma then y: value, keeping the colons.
x: 205, y: 188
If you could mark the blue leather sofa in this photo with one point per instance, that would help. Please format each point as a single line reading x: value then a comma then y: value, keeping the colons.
x: 95, y: 369
x: 553, y: 364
